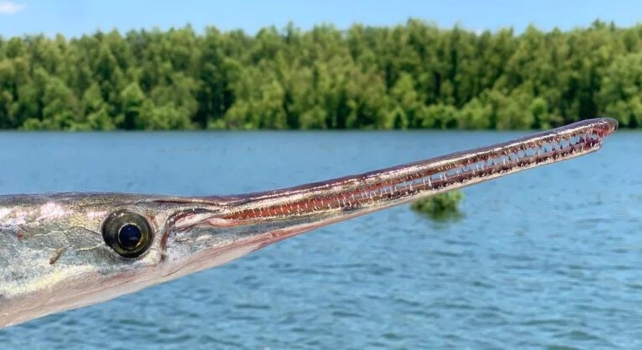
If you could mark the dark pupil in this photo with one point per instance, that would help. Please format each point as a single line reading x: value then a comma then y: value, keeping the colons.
x: 129, y: 236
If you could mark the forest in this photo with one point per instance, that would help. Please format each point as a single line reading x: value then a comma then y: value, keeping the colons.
x: 412, y: 76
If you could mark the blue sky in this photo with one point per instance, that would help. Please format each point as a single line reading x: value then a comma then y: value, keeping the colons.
x: 77, y: 17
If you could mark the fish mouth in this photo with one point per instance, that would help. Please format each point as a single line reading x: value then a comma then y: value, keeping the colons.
x: 262, y: 218
x: 403, y: 183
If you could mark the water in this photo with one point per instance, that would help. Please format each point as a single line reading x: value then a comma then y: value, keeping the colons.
x: 545, y: 259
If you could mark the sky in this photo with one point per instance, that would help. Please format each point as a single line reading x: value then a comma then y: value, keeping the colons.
x: 74, y: 18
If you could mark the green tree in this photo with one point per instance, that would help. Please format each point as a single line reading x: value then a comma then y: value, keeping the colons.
x: 415, y: 75
x: 621, y: 90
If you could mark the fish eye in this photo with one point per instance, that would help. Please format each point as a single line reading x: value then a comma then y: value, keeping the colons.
x: 127, y: 233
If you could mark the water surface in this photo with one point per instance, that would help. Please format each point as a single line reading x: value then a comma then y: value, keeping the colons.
x: 545, y: 259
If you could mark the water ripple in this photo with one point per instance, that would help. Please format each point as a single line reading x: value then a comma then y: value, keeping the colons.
x: 545, y: 259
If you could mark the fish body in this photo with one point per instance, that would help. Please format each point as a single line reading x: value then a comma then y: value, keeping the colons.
x: 62, y: 251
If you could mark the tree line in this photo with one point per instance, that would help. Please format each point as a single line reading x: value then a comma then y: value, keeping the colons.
x: 415, y: 75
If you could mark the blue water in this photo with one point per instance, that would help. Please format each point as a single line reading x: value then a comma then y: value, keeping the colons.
x: 545, y: 259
